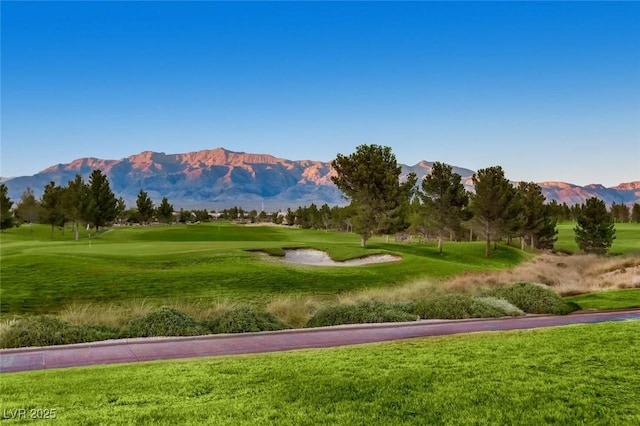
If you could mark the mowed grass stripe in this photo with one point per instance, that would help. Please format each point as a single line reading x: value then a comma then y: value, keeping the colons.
x: 582, y: 374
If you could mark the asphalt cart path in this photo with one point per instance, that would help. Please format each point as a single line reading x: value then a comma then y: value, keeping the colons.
x: 157, y: 348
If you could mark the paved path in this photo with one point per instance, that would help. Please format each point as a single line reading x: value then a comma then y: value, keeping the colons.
x: 148, y: 349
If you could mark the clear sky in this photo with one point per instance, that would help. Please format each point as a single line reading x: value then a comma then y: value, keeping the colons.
x: 549, y: 91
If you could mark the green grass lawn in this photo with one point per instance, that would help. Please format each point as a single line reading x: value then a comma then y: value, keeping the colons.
x: 572, y: 375
x: 627, y: 238
x: 614, y: 299
x: 42, y: 272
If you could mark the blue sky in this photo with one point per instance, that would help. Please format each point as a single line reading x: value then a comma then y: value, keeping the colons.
x: 549, y: 91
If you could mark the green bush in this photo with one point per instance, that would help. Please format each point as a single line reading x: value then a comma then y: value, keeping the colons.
x: 503, y: 305
x: 455, y: 306
x: 164, y: 321
x: 360, y: 313
x: 533, y: 298
x: 244, y: 319
x: 48, y: 330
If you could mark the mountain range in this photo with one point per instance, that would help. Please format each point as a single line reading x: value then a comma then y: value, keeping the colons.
x: 218, y: 178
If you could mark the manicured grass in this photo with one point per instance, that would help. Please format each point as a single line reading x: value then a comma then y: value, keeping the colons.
x: 614, y: 299
x: 573, y: 375
x: 627, y: 238
x: 207, y: 262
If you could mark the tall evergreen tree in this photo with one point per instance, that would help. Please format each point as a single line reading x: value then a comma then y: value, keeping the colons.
x: 491, y: 203
x: 101, y: 206
x: 28, y: 208
x: 52, y: 205
x: 370, y: 178
x: 6, y: 215
x: 635, y: 213
x: 595, y: 231
x: 76, y: 200
x: 145, y: 207
x: 533, y: 210
x: 445, y: 200
x: 165, y: 211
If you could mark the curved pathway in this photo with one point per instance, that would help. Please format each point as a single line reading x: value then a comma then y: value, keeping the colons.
x: 156, y: 348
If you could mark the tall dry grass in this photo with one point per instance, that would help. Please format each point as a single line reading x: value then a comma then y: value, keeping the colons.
x: 416, y: 290
x: 566, y: 275
x: 118, y: 315
x: 294, y: 311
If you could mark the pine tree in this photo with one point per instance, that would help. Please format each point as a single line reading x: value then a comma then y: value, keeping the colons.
x: 52, y: 205
x: 6, y: 215
x: 76, y: 199
x: 595, y: 231
x: 165, y: 211
x: 102, y: 204
x: 445, y: 200
x: 28, y: 208
x: 145, y: 207
x: 492, y: 203
x: 370, y: 177
x: 537, y: 216
x: 635, y: 213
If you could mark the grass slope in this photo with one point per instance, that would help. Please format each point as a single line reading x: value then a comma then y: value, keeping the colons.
x: 582, y: 374
x: 614, y: 299
x: 42, y: 274
x: 627, y: 238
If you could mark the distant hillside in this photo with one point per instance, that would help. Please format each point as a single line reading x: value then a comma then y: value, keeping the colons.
x: 220, y: 178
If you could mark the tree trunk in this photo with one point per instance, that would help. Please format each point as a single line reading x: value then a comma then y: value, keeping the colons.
x: 522, y: 243
x: 362, y: 241
x: 487, y: 247
x: 533, y: 244
x: 495, y: 244
x: 77, y: 233
x: 440, y: 244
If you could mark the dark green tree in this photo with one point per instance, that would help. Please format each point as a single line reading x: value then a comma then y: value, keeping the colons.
x: 635, y: 213
x: 596, y: 230
x: 76, y: 201
x: 370, y: 178
x: 121, y: 210
x: 145, y: 207
x: 620, y: 212
x: 533, y: 210
x: 28, y: 208
x: 547, y: 234
x: 6, y: 215
x: 53, y: 205
x: 492, y: 204
x: 165, y: 211
x: 102, y: 204
x: 445, y: 200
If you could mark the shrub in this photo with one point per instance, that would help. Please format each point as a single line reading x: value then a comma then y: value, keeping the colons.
x: 533, y: 298
x: 244, y: 319
x: 363, y: 312
x: 503, y: 305
x: 48, y: 330
x: 164, y: 321
x: 455, y: 306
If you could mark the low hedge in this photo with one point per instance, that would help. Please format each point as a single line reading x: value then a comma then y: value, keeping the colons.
x: 48, y: 330
x: 360, y: 313
x: 244, y: 319
x: 164, y: 321
x: 533, y: 298
x: 455, y: 306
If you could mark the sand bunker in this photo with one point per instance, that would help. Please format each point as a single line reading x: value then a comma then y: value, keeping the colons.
x: 320, y: 258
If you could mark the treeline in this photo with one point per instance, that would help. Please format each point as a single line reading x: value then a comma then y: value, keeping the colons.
x: 92, y: 203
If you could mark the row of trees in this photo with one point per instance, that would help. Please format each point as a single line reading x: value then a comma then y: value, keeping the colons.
x: 370, y: 178
x: 93, y: 203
